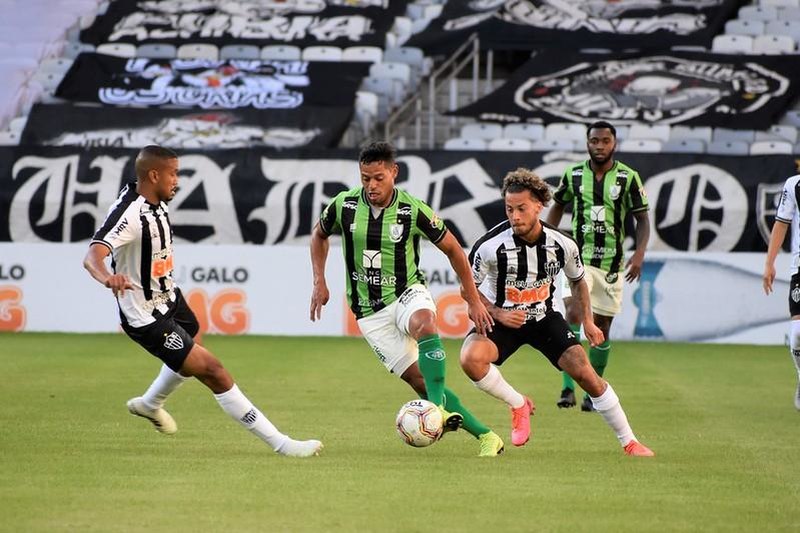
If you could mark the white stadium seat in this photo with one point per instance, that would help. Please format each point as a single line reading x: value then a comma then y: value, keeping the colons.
x: 649, y: 131
x: 240, y: 51
x: 727, y: 134
x: 640, y: 145
x: 555, y: 145
x: 531, y: 132
x: 322, y: 53
x: 788, y: 13
x: 157, y: 51
x: 778, y: 132
x: 773, y: 44
x: 771, y: 147
x: 460, y: 143
x: 780, y: 3
x: 764, y: 13
x: 9, y: 138
x: 565, y: 130
x: 482, y: 130
x: 728, y: 148
x: 281, y: 52
x: 732, y: 44
x: 198, y: 51
x: 784, y: 27
x: 744, y: 27
x: 371, y: 54
x: 703, y: 133
x: 684, y: 146
x: 117, y: 49
x: 510, y: 145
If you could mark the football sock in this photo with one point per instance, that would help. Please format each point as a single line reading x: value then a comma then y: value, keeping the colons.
x: 238, y: 407
x: 432, y: 366
x: 165, y: 384
x: 471, y: 424
x: 598, y: 356
x: 794, y: 344
x: 566, y: 381
x: 495, y: 385
x: 607, y: 404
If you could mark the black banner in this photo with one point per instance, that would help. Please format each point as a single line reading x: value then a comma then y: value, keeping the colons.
x: 211, y: 84
x: 533, y: 24
x: 300, y: 22
x: 127, y: 127
x: 698, y: 203
x: 677, y: 88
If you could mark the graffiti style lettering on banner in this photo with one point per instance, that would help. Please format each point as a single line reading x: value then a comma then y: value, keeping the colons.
x: 12, y: 312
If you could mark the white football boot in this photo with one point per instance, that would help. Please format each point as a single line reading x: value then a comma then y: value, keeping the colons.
x: 160, y: 418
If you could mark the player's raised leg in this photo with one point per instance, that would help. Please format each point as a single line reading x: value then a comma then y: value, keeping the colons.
x: 603, y: 398
x: 478, y: 354
x: 151, y: 404
x: 794, y: 344
x: 201, y: 364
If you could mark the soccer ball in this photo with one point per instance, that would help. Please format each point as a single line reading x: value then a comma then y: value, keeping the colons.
x: 419, y: 423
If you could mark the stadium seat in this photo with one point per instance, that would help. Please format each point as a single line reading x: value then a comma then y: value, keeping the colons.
x: 419, y: 25
x: 18, y: 124
x: 460, y: 143
x: 780, y: 3
x: 702, y: 133
x: 509, y: 145
x: 157, y: 51
x: 198, y: 51
x: 117, y: 49
x: 9, y: 138
x: 773, y: 44
x: 389, y: 93
x: 771, y: 147
x: 322, y: 53
x: 565, y: 130
x: 788, y: 13
x: 783, y: 27
x: 366, y: 110
x: 73, y: 50
x: 281, y: 52
x: 55, y: 64
x: 531, y: 132
x: 398, y: 72
x: 402, y: 29
x: 550, y: 145
x: 791, y: 117
x: 778, y: 132
x: 481, y: 130
x: 240, y: 51
x: 753, y: 28
x: 413, y: 57
x: 419, y: 10
x: 48, y: 80
x: 649, y: 131
x: 763, y: 13
x: 732, y: 44
x: 640, y: 145
x: 684, y: 146
x: 727, y: 134
x: 371, y: 54
x: 728, y: 148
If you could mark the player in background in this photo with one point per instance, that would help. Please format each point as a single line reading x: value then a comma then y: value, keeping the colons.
x: 153, y: 312
x: 787, y: 215
x: 602, y: 191
x: 515, y: 265
x: 381, y: 228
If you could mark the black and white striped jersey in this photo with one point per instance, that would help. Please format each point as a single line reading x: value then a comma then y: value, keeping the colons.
x: 788, y: 212
x: 139, y: 236
x: 514, y: 274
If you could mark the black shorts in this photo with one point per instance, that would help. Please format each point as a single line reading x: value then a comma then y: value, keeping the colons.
x: 170, y: 338
x: 794, y: 295
x: 550, y: 335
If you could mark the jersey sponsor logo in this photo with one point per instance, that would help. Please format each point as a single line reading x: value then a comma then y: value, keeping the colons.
x: 528, y: 296
x: 436, y: 355
x: 598, y: 213
x: 436, y: 222
x: 371, y: 259
x: 162, y: 265
x: 366, y: 302
x: 173, y: 341
x: 374, y: 279
x: 599, y: 252
x: 350, y: 204
x: 159, y: 299
x: 404, y: 211
x: 612, y: 277
x: 120, y: 227
x: 509, y: 251
x: 395, y: 232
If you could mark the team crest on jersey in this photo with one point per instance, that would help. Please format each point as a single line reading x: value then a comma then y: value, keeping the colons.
x: 612, y: 277
x: 395, y: 232
x: 614, y: 190
x: 796, y: 294
x: 371, y: 259
x: 173, y: 341
x: 436, y: 222
x: 551, y: 268
x: 598, y: 213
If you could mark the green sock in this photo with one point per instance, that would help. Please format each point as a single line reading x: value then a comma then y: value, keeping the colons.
x: 566, y: 381
x: 471, y: 424
x: 432, y: 366
x: 598, y: 356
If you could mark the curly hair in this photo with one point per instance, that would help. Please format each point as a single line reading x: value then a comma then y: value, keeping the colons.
x: 523, y: 179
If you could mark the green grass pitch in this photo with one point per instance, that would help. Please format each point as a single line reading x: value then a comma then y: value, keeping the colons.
x: 720, y: 419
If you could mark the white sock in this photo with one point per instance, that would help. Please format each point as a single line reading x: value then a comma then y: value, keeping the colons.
x: 240, y: 409
x: 165, y: 384
x: 607, y: 404
x: 794, y: 345
x: 495, y: 385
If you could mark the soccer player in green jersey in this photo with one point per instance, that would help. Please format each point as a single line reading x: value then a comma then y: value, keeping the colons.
x: 602, y: 191
x: 381, y: 227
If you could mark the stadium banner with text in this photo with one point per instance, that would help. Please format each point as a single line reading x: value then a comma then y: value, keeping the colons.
x: 221, y: 22
x: 533, y: 24
x: 691, y: 88
x: 699, y: 203
x: 202, y: 83
x: 127, y: 127
x: 267, y: 289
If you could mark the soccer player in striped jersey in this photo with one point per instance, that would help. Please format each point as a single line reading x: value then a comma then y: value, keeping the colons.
x: 602, y: 191
x: 515, y: 265
x: 381, y: 228
x: 153, y: 312
x: 788, y: 216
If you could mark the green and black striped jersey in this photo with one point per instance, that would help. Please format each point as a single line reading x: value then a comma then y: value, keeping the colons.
x: 599, y: 208
x: 381, y: 253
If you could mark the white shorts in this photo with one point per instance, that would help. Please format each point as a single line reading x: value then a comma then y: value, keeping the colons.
x: 387, y: 330
x: 605, y: 295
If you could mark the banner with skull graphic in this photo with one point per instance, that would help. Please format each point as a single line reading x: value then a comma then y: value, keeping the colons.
x: 574, y: 24
x: 253, y: 22
x: 128, y: 127
x: 691, y: 88
x: 206, y: 84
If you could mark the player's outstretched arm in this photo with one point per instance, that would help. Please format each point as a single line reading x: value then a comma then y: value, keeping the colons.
x: 776, y: 239
x: 634, y: 264
x: 319, y: 256
x: 458, y: 260
x: 95, y: 263
x: 580, y: 295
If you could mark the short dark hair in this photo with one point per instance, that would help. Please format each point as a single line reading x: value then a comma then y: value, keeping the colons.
x: 602, y: 125
x: 523, y: 179
x: 377, y: 151
x: 149, y: 156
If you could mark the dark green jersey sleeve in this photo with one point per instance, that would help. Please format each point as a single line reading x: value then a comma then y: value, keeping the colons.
x: 427, y: 223
x: 636, y: 199
x: 564, y: 194
x: 329, y: 219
